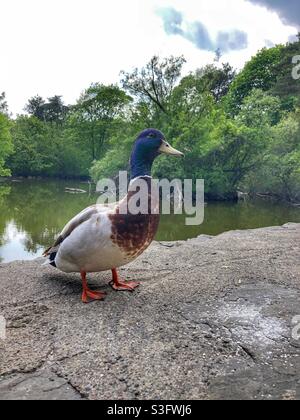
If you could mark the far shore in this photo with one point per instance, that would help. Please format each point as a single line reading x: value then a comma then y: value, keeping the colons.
x: 238, y: 196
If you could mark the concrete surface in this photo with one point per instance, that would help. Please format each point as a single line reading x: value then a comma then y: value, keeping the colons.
x: 212, y: 320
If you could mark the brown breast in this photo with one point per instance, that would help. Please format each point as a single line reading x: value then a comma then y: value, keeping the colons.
x: 133, y: 233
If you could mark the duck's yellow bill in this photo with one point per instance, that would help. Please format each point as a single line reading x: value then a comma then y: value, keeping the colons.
x: 167, y: 149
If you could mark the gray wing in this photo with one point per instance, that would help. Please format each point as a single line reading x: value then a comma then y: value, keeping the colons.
x: 80, y: 218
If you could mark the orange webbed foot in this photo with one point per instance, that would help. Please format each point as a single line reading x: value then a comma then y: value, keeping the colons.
x: 122, y: 286
x: 89, y: 296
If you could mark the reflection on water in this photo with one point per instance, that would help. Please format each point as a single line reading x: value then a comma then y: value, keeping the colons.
x: 32, y: 214
x: 14, y: 245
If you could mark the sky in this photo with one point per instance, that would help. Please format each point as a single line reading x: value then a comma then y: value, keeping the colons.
x: 60, y: 47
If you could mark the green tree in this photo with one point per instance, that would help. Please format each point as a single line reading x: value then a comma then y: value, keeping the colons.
x: 280, y: 173
x: 155, y: 82
x: 211, y: 79
x: 45, y: 149
x: 286, y: 87
x: 54, y: 110
x: 3, y: 104
x: 35, y: 107
x: 32, y: 154
x: 6, y: 147
x: 99, y: 112
x: 116, y: 158
x: 261, y: 72
x: 244, y: 141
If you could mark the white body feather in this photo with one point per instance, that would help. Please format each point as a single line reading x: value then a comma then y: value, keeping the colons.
x: 89, y: 247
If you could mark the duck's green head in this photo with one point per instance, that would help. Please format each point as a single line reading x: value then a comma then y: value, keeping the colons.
x: 149, y: 144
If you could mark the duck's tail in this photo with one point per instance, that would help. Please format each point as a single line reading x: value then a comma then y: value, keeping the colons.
x: 51, y: 254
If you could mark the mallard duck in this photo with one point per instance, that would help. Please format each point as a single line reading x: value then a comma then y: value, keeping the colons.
x: 104, y: 238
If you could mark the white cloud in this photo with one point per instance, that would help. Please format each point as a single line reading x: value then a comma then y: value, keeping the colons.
x: 61, y: 46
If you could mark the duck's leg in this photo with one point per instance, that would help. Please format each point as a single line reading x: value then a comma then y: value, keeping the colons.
x: 118, y: 285
x: 87, y: 294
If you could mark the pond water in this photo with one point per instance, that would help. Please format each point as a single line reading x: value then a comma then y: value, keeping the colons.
x: 32, y: 214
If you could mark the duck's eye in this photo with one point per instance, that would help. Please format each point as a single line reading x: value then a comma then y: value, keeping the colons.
x: 151, y: 135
